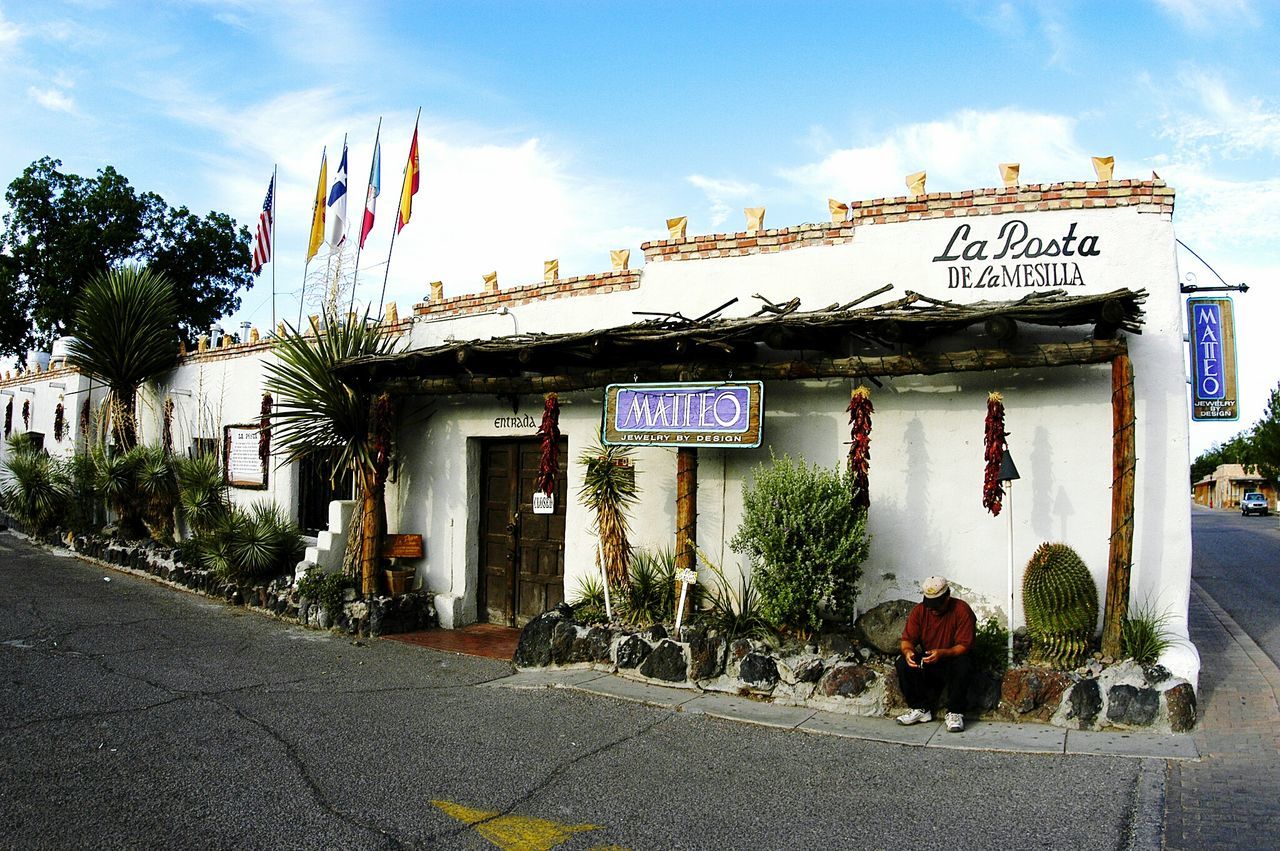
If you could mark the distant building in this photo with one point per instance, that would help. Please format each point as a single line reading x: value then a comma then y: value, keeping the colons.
x: 1227, y: 485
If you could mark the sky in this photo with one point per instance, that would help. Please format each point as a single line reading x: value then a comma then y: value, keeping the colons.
x: 567, y: 128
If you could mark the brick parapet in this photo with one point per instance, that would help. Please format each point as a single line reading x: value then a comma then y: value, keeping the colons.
x: 33, y: 377
x: 603, y: 282
x: 1147, y: 196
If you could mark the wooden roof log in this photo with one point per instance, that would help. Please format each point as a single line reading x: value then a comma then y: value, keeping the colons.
x: 906, y: 363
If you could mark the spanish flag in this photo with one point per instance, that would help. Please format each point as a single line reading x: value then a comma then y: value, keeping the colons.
x: 317, y: 211
x: 410, y: 186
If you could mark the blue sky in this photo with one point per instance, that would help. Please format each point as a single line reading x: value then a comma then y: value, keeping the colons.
x: 566, y: 129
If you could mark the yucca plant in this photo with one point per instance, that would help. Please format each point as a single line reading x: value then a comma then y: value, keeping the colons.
x: 253, y: 544
x: 202, y: 492
x: 34, y: 488
x: 156, y: 485
x: 588, y: 600
x: 84, y: 503
x: 608, y: 489
x: 735, y: 613
x: 647, y: 597
x: 343, y: 424
x: 115, y: 479
x: 125, y: 333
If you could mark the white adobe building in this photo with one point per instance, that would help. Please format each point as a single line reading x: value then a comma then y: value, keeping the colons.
x: 461, y: 476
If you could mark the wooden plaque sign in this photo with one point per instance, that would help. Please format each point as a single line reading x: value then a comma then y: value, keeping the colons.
x: 726, y: 414
x: 402, y: 546
x: 243, y: 467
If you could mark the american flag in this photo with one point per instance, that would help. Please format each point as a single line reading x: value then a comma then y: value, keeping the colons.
x: 262, y: 240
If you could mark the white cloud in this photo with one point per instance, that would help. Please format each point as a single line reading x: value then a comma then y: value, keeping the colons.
x: 720, y: 192
x: 958, y: 152
x: 1200, y: 16
x: 52, y: 99
x: 10, y: 34
x: 1222, y: 123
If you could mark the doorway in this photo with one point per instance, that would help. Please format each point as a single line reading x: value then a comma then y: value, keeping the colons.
x: 521, y: 553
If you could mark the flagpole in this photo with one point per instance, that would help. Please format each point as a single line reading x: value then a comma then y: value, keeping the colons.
x: 302, y: 296
x: 275, y: 169
x: 404, y: 177
x: 355, y: 278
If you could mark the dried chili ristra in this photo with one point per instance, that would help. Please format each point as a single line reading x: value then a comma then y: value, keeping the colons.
x: 860, y: 410
x: 993, y: 453
x: 549, y: 431
x: 264, y: 428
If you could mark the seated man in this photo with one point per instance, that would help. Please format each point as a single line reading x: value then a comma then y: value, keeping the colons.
x: 935, y: 653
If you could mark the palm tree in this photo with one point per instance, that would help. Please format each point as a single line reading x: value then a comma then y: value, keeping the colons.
x: 343, y: 424
x: 126, y: 333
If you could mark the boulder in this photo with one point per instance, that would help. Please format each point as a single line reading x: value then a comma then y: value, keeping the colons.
x: 984, y: 691
x: 563, y: 635
x: 632, y: 651
x: 846, y: 680
x: 809, y: 670
x: 881, y: 626
x: 758, y: 670
x: 1136, y: 707
x: 534, y: 649
x: 591, y: 645
x: 706, y: 656
x: 1033, y: 692
x: 666, y: 662
x: 1085, y: 702
x: 835, y: 644
x: 1181, y: 703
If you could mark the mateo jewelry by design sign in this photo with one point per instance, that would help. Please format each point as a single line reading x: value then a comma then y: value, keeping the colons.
x: 685, y: 414
x: 1213, y: 359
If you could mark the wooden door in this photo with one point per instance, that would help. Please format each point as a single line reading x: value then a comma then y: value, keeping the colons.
x: 521, y: 553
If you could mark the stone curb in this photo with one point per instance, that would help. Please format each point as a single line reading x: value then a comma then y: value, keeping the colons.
x: 979, y: 735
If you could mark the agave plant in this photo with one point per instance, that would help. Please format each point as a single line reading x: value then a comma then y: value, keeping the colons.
x: 126, y: 333
x: 343, y: 424
x: 257, y: 543
x: 114, y: 478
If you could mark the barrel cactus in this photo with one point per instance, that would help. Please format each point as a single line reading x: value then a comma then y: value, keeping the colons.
x: 1061, y: 604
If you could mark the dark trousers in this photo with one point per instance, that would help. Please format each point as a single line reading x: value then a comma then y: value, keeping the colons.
x: 922, y: 686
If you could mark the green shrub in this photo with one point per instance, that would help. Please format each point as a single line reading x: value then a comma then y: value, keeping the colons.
x: 588, y: 601
x: 84, y: 503
x: 990, y: 651
x: 326, y: 589
x: 807, y: 540
x: 1145, y: 634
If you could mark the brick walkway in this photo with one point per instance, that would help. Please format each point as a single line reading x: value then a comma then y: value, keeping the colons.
x: 1231, y: 798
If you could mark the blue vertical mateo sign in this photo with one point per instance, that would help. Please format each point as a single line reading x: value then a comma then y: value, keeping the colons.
x: 1213, y: 359
x: 726, y: 414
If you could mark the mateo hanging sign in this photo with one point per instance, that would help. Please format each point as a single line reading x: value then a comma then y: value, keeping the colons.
x: 1213, y: 359
x: 684, y: 414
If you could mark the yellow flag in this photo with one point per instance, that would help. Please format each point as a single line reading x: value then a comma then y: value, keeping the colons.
x: 317, y: 212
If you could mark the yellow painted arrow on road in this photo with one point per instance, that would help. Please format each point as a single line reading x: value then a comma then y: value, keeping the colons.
x: 514, y: 833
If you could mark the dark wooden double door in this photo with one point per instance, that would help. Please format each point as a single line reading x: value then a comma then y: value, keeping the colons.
x: 521, y: 553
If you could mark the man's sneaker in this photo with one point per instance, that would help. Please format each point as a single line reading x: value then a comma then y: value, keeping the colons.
x: 955, y: 722
x: 915, y: 716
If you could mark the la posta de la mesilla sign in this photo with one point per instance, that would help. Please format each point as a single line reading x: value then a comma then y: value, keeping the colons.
x: 1017, y: 256
x: 727, y: 414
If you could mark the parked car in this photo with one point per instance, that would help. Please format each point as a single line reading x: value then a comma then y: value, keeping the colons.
x: 1253, y: 503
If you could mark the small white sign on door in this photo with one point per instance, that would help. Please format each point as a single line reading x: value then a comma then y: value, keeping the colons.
x: 544, y: 503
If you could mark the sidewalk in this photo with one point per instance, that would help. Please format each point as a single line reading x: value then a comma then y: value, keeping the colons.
x: 978, y: 735
x: 1229, y: 798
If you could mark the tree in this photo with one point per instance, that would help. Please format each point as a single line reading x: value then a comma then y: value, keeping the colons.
x: 344, y: 424
x: 63, y: 229
x: 1265, y: 438
x: 1238, y: 450
x: 125, y: 334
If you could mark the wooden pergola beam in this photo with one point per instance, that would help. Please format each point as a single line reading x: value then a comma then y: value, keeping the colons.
x: 906, y: 363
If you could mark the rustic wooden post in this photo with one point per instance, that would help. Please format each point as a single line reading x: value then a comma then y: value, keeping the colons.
x: 686, y: 508
x: 1123, y: 464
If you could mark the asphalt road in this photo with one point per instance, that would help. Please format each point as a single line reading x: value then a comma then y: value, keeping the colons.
x: 1237, y: 561
x: 134, y: 715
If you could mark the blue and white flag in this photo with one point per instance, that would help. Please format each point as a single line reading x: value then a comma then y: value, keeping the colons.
x: 338, y: 203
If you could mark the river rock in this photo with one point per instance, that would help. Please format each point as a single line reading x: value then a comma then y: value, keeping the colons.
x: 881, y: 626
